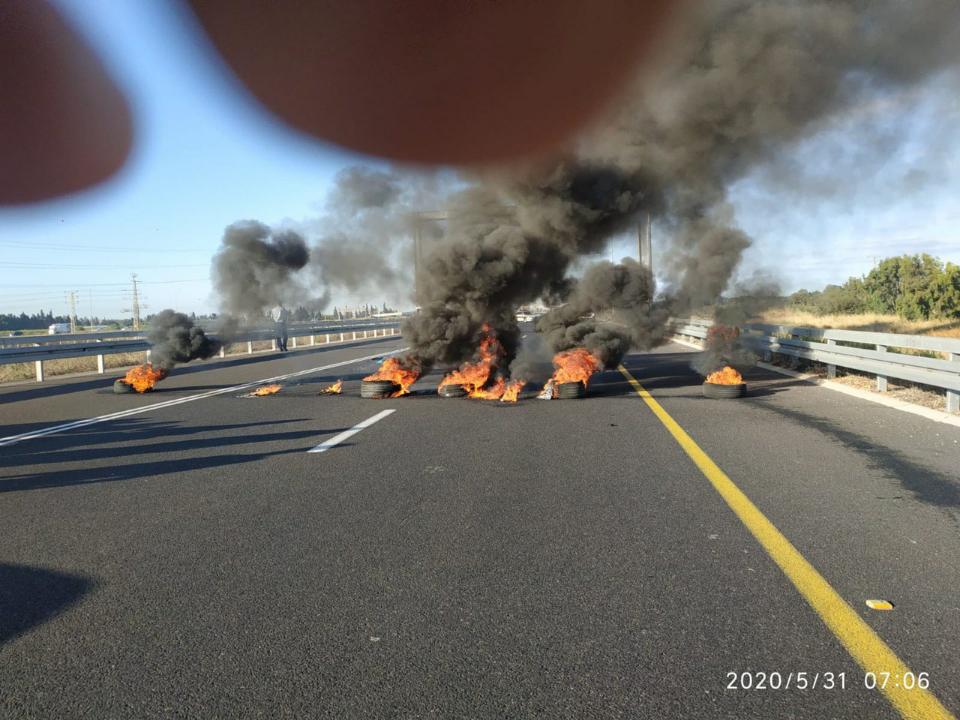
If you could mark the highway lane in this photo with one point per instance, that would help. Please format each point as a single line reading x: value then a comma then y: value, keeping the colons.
x: 24, y: 407
x: 868, y: 494
x: 463, y: 559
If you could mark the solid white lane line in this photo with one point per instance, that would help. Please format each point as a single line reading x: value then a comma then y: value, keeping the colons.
x: 337, y: 439
x: 13, y: 439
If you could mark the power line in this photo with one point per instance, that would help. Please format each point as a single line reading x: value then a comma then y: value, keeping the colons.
x: 99, y: 248
x: 71, y: 266
x: 112, y: 284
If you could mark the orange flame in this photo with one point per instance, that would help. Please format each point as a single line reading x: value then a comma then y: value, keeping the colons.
x: 474, y: 376
x: 512, y: 393
x: 492, y: 392
x: 144, y: 377
x: 334, y: 389
x: 575, y: 365
x: 392, y: 369
x: 265, y: 390
x: 725, y: 376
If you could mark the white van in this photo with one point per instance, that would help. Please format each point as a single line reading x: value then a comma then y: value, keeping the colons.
x: 58, y: 329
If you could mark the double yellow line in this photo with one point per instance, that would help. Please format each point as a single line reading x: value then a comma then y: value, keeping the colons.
x: 863, y: 644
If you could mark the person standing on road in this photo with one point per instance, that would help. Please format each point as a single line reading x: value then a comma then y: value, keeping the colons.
x: 280, y: 315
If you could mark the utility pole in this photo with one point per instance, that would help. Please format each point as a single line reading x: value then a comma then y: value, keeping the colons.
x: 419, y: 251
x: 72, y: 299
x: 645, y: 242
x: 135, y: 303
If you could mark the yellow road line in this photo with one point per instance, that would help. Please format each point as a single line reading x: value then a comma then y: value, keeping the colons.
x: 863, y: 644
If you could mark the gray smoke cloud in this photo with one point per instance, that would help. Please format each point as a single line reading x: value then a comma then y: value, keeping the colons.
x: 175, y: 339
x: 255, y: 269
x: 739, y: 84
x: 610, y: 310
x: 362, y: 239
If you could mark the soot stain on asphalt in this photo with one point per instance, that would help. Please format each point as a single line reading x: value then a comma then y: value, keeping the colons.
x: 925, y: 484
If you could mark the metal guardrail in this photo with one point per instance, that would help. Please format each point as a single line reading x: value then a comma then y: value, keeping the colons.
x: 41, y: 348
x: 33, y: 340
x: 880, y: 354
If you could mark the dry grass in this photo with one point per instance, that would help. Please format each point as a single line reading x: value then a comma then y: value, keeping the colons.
x: 897, y: 389
x: 869, y: 322
x: 69, y: 366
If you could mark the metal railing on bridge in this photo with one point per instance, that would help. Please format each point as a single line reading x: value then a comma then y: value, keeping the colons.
x: 41, y: 348
x: 922, y: 359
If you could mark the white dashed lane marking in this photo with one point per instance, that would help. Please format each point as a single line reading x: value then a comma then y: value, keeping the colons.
x: 337, y: 439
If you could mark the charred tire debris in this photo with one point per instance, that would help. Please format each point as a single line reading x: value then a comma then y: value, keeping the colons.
x: 378, y: 389
x: 452, y: 390
x: 571, y: 390
x: 120, y: 387
x: 715, y: 391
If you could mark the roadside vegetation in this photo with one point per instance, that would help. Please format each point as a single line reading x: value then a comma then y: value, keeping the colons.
x: 912, y: 288
x: 868, y: 322
x: 908, y: 294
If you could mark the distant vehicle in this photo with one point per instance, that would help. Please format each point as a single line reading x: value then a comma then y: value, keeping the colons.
x: 16, y: 333
x: 395, y: 313
x: 58, y: 329
x: 524, y: 317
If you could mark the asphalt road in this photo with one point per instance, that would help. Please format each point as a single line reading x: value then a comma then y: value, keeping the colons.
x: 460, y: 559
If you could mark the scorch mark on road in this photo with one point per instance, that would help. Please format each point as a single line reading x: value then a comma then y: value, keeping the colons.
x: 337, y: 439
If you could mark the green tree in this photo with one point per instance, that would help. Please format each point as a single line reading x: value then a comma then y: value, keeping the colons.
x: 945, y: 292
x: 904, y: 285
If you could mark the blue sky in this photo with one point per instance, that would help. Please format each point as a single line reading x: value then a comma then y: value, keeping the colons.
x: 877, y: 182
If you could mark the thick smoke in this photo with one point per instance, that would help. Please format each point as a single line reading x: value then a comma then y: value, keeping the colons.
x: 362, y: 240
x: 609, y: 311
x: 255, y: 269
x: 739, y: 85
x: 175, y: 339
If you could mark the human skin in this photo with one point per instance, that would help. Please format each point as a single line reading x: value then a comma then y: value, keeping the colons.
x: 464, y: 82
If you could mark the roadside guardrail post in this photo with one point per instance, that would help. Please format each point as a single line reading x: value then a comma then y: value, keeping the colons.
x: 249, y: 347
x: 953, y: 397
x: 881, y: 379
x: 223, y: 351
x: 831, y: 369
x: 313, y: 340
x: 39, y: 365
x: 273, y: 344
x: 341, y: 337
x: 294, y: 338
x: 100, y: 367
x: 326, y: 339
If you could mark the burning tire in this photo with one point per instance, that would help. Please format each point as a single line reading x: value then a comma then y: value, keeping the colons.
x: 452, y: 390
x: 717, y: 391
x: 378, y: 389
x: 571, y: 390
x: 122, y: 388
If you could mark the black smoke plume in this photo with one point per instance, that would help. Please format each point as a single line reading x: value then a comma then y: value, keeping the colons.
x: 255, y: 269
x: 175, y: 339
x: 740, y: 83
x: 610, y: 310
